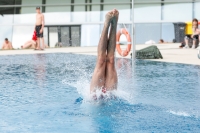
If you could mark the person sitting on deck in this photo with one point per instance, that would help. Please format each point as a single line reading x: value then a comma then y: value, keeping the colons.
x: 7, y: 45
x: 161, y: 41
x: 31, y: 43
x: 194, y: 36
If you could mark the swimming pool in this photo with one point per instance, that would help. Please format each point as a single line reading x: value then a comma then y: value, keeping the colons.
x: 43, y: 93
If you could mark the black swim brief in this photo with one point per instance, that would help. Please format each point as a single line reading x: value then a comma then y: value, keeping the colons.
x: 37, y: 29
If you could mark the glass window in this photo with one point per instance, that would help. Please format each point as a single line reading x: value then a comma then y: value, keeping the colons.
x: 6, y: 32
x: 6, y: 10
x: 18, y: 10
x: 96, y: 1
x: 30, y: 2
x: 117, y: 1
x: 75, y: 36
x: 147, y: 12
x: 79, y: 1
x: 57, y: 8
x: 79, y: 8
x: 177, y: 12
x: 28, y: 10
x: 7, y: 2
x: 58, y: 1
x: 18, y: 2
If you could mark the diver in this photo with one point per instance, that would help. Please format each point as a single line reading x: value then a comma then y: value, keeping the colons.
x: 105, y: 75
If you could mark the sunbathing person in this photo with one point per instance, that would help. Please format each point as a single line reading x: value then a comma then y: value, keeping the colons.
x: 32, y: 43
x: 105, y: 75
x: 7, y: 45
x: 161, y: 41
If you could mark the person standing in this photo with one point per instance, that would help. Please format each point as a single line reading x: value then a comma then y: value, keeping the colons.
x: 39, y: 27
x: 7, y: 45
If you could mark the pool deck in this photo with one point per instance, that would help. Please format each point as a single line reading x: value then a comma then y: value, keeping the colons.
x: 171, y: 52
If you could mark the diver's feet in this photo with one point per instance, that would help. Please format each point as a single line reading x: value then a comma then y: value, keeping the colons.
x: 116, y: 14
x: 115, y: 17
x: 109, y: 16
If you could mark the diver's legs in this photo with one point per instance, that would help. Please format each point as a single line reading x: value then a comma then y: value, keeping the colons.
x: 98, y: 78
x: 111, y: 74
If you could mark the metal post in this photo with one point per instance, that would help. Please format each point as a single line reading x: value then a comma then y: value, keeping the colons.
x: 193, y: 9
x: 133, y: 33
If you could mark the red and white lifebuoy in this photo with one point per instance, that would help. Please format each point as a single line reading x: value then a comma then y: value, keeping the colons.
x: 128, y: 49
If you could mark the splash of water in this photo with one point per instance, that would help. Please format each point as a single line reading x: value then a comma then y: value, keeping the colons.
x: 125, y: 90
x: 179, y: 113
x: 185, y: 113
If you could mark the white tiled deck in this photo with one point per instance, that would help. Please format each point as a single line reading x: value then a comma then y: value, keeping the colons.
x: 170, y: 52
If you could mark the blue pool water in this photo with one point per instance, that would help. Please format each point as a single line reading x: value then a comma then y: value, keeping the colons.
x: 48, y: 93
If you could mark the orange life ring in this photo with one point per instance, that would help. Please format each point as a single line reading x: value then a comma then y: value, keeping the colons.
x: 128, y: 49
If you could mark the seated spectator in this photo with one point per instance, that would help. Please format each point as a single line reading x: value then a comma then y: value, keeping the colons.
x: 31, y: 43
x: 194, y: 36
x: 7, y: 45
x: 161, y: 41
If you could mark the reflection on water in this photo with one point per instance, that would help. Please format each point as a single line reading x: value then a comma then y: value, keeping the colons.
x: 40, y: 70
x: 48, y: 93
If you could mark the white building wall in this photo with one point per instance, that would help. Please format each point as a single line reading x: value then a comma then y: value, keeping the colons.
x: 19, y: 25
x: 177, y: 12
x: 197, y: 10
x: 90, y: 35
x: 147, y: 12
